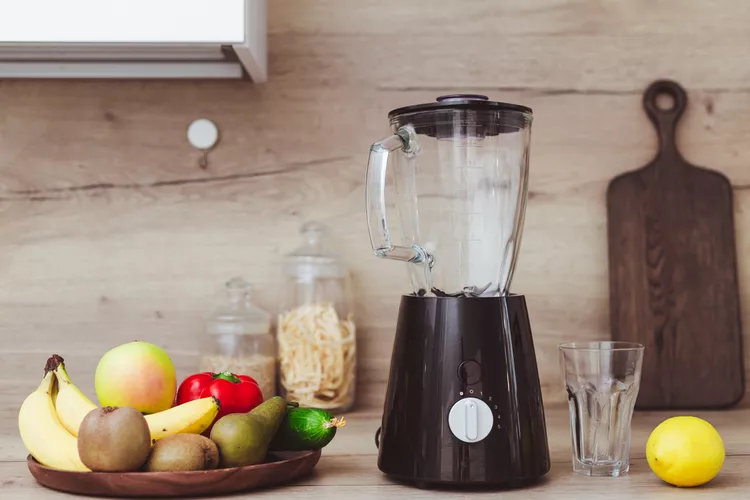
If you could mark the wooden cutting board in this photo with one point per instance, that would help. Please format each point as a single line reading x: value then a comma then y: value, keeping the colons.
x: 673, y: 272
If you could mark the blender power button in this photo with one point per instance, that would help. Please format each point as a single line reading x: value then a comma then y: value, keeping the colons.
x: 470, y: 372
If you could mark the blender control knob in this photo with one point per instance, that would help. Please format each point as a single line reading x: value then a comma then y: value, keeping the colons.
x: 470, y: 420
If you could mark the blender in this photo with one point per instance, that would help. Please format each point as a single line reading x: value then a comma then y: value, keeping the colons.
x: 463, y: 402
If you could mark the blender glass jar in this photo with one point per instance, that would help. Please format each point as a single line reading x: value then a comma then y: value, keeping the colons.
x: 239, y: 339
x: 316, y: 333
x: 460, y: 170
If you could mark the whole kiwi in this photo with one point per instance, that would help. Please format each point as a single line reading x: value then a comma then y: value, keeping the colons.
x: 114, y: 439
x: 183, y: 452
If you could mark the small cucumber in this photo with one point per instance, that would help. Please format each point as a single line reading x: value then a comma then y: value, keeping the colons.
x: 305, y: 429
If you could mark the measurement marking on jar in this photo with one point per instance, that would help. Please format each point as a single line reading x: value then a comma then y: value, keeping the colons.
x: 471, y: 164
x: 467, y: 143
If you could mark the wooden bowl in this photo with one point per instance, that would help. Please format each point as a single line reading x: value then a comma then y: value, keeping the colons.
x: 280, y: 468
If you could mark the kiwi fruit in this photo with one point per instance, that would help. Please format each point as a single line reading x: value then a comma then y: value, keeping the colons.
x: 183, y: 452
x: 114, y: 439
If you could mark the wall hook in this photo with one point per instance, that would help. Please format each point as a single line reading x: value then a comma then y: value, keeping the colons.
x: 203, y: 135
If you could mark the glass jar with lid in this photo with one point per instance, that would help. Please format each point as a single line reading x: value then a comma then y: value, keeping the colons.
x: 239, y: 338
x: 316, y: 333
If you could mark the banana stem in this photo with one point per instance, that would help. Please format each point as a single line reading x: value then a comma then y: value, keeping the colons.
x: 52, y: 363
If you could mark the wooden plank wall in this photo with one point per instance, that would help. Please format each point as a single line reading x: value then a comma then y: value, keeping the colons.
x: 110, y: 232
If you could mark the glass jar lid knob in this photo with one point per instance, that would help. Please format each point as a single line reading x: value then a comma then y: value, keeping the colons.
x: 312, y: 232
x: 238, y: 289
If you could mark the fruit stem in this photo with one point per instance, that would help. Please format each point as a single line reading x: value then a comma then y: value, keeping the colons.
x: 227, y: 376
x: 335, y: 422
x: 52, y: 363
x: 62, y: 374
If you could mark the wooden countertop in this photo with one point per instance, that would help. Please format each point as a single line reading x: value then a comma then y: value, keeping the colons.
x: 348, y: 467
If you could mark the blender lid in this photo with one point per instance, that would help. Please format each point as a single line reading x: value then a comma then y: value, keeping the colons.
x: 474, y: 102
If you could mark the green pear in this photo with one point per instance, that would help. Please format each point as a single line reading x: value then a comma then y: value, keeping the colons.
x: 243, y: 438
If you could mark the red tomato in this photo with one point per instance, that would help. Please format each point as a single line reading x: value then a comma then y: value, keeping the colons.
x: 236, y: 393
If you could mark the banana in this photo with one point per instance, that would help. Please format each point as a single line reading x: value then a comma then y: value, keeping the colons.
x: 192, y: 417
x: 43, y: 434
x: 71, y: 404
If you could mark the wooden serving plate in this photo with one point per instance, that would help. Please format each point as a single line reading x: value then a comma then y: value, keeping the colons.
x: 280, y: 468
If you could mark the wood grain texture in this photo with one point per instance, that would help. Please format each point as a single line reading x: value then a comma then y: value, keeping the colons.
x: 542, y: 45
x: 673, y: 272
x: 111, y: 232
x: 532, y: 17
x: 348, y: 468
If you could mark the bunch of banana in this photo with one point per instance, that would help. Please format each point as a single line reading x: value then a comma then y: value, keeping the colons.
x: 43, y: 434
x: 50, y: 416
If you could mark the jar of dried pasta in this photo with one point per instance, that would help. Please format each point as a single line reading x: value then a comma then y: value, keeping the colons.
x: 239, y: 338
x: 315, y: 333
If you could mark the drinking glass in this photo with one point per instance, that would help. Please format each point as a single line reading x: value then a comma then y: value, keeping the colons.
x: 602, y: 381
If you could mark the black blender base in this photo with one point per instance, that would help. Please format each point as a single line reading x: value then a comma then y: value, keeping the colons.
x: 448, y: 349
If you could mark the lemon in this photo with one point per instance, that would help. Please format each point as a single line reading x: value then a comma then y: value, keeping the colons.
x: 685, y: 451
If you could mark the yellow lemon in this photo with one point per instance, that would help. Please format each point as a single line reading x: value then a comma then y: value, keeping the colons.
x: 685, y: 451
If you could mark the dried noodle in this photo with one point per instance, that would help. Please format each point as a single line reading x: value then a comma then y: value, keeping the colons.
x: 317, y: 355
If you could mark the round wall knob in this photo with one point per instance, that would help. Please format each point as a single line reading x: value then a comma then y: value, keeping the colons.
x: 470, y: 420
x: 203, y: 134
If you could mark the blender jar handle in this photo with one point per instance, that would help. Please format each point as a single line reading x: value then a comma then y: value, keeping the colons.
x: 377, y: 166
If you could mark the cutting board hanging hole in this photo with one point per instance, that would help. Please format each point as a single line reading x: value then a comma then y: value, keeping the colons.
x: 664, y: 102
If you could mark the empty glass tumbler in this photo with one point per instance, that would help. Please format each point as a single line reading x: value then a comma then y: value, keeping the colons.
x: 602, y: 381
